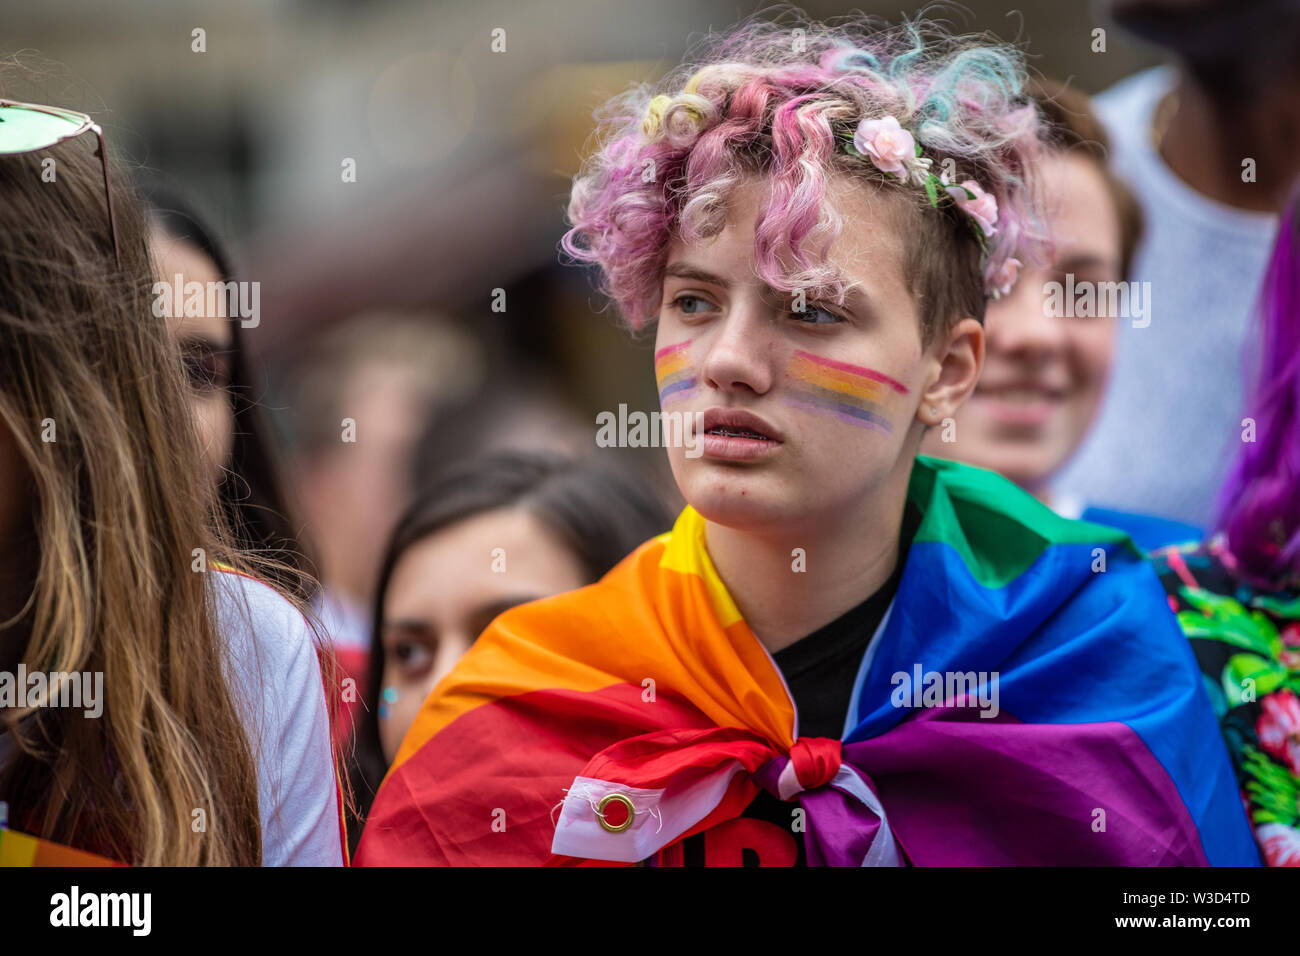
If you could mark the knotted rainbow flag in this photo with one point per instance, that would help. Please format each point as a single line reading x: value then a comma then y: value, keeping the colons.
x: 609, y: 724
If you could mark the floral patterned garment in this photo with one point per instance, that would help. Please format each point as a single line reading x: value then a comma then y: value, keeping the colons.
x: 1247, y: 641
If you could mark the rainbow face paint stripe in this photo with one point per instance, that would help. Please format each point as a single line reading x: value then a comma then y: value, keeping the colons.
x: 674, y: 372
x: 849, y: 392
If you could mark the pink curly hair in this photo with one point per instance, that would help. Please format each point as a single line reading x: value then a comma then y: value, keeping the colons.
x: 780, y: 99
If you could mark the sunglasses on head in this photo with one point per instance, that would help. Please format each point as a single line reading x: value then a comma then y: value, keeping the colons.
x: 28, y: 128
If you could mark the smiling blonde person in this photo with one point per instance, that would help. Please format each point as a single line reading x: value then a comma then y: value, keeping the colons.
x: 842, y: 653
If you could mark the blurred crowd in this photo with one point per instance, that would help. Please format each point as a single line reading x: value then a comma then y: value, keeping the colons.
x: 422, y: 379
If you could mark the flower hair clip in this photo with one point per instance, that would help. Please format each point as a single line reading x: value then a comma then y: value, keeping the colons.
x: 895, y: 152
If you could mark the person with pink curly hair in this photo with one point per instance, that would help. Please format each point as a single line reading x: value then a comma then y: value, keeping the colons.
x: 843, y: 653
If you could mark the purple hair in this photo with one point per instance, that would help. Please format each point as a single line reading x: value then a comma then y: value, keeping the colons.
x: 1260, y: 503
x: 777, y: 99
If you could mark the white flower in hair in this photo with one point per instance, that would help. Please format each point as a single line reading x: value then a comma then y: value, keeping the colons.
x: 921, y: 169
x: 1004, y: 277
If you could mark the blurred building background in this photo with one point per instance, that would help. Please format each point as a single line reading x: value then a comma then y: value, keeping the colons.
x: 463, y: 158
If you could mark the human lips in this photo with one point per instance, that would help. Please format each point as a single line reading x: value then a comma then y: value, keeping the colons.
x: 1020, y: 401
x: 733, y: 434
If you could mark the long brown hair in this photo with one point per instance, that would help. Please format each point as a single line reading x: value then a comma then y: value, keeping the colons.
x: 120, y: 503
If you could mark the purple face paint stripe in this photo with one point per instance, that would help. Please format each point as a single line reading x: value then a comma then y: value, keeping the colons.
x: 828, y: 399
x: 847, y: 419
x: 846, y: 413
x: 677, y: 387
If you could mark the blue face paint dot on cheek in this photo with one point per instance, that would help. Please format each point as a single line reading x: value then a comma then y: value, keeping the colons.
x: 390, y: 694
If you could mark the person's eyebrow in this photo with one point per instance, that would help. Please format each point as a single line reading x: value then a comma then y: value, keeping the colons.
x: 396, y: 628
x: 684, y: 270
x: 857, y: 301
x: 407, y: 624
x: 487, y: 613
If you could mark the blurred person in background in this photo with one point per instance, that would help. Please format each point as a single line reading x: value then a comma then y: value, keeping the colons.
x: 211, y: 688
x: 514, y: 411
x: 484, y: 535
x: 226, y: 392
x: 1209, y: 144
x: 1046, y: 369
x: 1237, y: 595
x: 357, y: 401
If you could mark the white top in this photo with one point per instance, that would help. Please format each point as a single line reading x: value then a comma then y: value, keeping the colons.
x: 346, y: 622
x: 276, y: 679
x: 1171, y: 418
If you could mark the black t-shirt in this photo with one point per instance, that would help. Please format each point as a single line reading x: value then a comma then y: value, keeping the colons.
x: 819, y: 670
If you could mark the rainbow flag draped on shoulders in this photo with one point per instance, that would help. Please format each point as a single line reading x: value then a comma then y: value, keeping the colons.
x: 609, y: 724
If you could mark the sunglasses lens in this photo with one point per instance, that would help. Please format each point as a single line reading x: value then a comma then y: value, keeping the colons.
x: 23, y: 130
